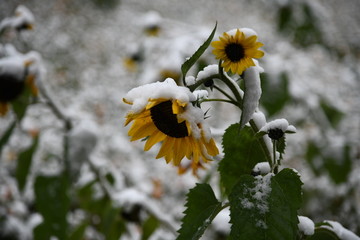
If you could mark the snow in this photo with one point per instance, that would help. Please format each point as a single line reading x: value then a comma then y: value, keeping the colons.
x: 281, y: 124
x: 14, y: 66
x: 259, y: 197
x: 195, y: 116
x: 190, y: 80
x: 262, y: 168
x: 201, y: 94
x: 306, y: 225
x: 151, y: 18
x: 221, y: 221
x: 252, y: 92
x: 168, y: 89
x: 341, y: 232
x: 207, y: 72
x: 87, y: 78
x: 259, y: 119
x: 247, y: 31
x: 22, y: 16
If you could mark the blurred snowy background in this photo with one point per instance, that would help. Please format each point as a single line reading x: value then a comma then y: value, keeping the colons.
x: 312, y: 78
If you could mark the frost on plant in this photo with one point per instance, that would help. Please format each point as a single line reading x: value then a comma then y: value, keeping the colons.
x: 191, y: 98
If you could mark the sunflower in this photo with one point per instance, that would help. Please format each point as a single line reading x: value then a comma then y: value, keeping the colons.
x: 14, y: 80
x: 237, y: 50
x: 162, y: 112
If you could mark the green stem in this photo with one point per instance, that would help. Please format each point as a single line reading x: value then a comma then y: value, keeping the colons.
x: 275, y: 165
x: 219, y: 100
x: 262, y: 144
x: 67, y: 124
x: 231, y: 85
x: 224, y: 93
x: 235, y: 89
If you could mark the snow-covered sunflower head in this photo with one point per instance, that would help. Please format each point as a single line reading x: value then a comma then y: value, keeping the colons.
x: 14, y: 79
x: 236, y: 49
x: 163, y: 112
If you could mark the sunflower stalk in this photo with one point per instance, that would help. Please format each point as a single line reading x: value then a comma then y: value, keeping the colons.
x: 237, y: 93
x: 62, y: 116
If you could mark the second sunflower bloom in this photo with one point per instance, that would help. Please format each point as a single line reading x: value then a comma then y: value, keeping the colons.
x: 237, y: 50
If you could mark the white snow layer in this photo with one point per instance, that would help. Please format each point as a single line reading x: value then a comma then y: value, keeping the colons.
x: 140, y: 96
x: 22, y: 16
x: 247, y: 31
x: 168, y: 89
x: 259, y: 197
x: 252, y: 92
x: 306, y: 225
x: 207, y: 72
x: 262, y: 168
x: 281, y: 124
x: 341, y: 232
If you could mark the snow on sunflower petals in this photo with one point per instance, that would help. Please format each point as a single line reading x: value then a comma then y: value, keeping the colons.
x: 162, y: 113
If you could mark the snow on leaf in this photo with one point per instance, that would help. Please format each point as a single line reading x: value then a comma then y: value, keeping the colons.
x: 265, y: 207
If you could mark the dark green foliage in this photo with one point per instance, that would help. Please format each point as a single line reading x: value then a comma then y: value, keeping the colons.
x: 201, y: 208
x: 271, y: 216
x: 242, y: 152
x: 52, y: 202
x: 24, y: 163
x: 7, y: 134
x: 185, y: 67
x: 333, y: 114
x: 338, y: 165
x: 275, y: 94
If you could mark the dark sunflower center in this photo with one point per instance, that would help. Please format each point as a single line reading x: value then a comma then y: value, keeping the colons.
x: 275, y: 134
x: 235, y: 52
x: 10, y: 87
x: 166, y: 121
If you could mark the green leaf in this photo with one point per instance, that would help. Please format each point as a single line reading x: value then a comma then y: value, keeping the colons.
x: 52, y: 202
x: 79, y: 231
x: 285, y: 18
x: 333, y: 114
x: 322, y: 233
x: 339, y: 169
x: 20, y: 104
x: 266, y: 207
x: 6, y: 136
x: 185, y: 67
x: 312, y: 157
x: 242, y: 152
x: 201, y: 208
x: 111, y: 223
x: 275, y: 94
x: 149, y: 227
x: 24, y: 163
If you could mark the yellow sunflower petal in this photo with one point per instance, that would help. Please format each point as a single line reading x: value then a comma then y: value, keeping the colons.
x: 211, y: 148
x: 166, y: 148
x: 142, y: 131
x: 153, y: 139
